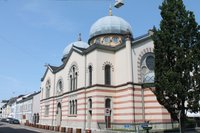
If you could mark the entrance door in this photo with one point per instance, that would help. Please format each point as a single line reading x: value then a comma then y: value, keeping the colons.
x: 59, y: 114
x: 108, y: 121
x: 108, y: 113
x: 89, y: 116
x: 89, y: 119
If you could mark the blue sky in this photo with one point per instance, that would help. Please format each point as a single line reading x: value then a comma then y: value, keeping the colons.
x: 35, y: 32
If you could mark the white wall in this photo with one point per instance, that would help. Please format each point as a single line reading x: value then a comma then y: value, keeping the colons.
x: 36, y: 103
x: 49, y: 76
x: 91, y: 59
x: 120, y: 67
x: 104, y: 57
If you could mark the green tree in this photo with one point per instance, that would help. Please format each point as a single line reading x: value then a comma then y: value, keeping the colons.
x: 177, y: 60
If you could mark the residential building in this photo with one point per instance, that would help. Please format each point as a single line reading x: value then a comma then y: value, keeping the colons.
x: 4, y: 108
x: 1, y: 108
x: 27, y: 106
x: 11, y: 107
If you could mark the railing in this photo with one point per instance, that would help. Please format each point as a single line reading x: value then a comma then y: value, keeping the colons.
x: 135, y: 127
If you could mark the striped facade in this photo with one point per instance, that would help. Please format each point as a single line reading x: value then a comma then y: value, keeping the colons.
x: 78, y: 94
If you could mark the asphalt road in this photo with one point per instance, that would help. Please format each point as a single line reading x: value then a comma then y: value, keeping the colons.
x: 10, y: 128
x: 16, y: 128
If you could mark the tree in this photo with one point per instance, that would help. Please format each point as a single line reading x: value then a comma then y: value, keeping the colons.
x: 177, y: 60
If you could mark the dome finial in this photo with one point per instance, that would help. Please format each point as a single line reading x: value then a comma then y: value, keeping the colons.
x: 79, y: 37
x: 110, y: 11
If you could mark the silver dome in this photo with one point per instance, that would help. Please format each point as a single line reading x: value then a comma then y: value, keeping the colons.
x: 110, y: 24
x: 80, y: 44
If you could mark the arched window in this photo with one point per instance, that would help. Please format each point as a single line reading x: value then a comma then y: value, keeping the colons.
x: 48, y: 87
x: 73, y: 78
x: 70, y: 82
x: 147, y: 68
x: 107, y: 75
x: 90, y: 75
x: 90, y: 103
x: 108, y: 103
x: 75, y: 107
x: 59, y: 86
x: 70, y: 104
x: 75, y: 81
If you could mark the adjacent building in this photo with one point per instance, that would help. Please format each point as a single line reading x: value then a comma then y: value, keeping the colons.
x: 27, y: 107
x: 7, y: 107
x: 100, y: 83
x: 1, y: 108
x: 4, y: 108
x: 11, y: 107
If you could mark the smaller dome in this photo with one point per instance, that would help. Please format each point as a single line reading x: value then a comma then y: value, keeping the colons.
x: 149, y: 77
x: 79, y: 44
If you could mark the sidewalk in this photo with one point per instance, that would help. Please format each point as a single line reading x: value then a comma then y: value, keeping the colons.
x: 39, y: 130
x: 36, y: 129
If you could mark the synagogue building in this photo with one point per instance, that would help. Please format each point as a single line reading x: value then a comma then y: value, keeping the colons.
x: 100, y: 83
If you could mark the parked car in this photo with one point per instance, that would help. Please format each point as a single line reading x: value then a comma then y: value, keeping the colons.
x: 12, y: 121
x: 3, y: 120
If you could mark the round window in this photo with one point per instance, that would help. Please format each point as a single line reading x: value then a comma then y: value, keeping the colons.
x: 150, y: 62
x: 115, y: 39
x: 92, y: 42
x: 97, y: 40
x: 106, y: 39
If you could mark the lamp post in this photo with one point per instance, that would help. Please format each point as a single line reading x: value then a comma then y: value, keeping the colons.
x: 119, y: 3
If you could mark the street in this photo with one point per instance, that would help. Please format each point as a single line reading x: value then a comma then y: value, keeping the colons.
x: 15, y: 128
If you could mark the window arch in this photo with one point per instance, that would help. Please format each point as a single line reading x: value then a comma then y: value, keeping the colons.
x: 73, y: 107
x: 90, y: 103
x: 90, y: 75
x: 70, y: 106
x: 60, y: 86
x: 70, y: 83
x: 59, y: 110
x: 107, y: 103
x: 147, y: 65
x: 141, y: 69
x: 73, y: 78
x: 48, y: 87
x: 107, y: 74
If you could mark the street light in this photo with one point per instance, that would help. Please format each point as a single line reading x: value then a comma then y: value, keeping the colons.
x: 119, y: 3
